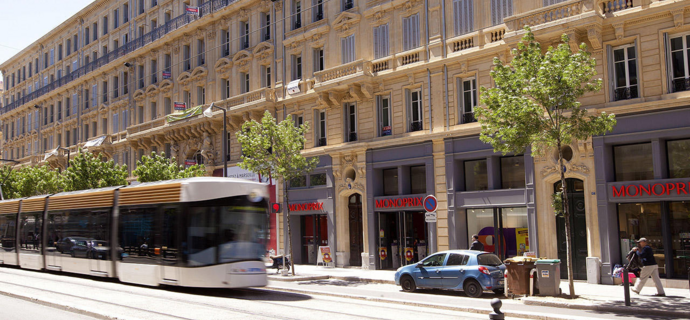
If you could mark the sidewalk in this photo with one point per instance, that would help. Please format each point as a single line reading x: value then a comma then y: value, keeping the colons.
x: 602, y: 298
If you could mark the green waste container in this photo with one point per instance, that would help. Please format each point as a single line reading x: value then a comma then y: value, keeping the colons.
x: 517, y: 271
x: 549, y: 277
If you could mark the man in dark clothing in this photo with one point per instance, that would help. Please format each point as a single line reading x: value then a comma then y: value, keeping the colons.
x: 649, y: 268
x: 476, y: 245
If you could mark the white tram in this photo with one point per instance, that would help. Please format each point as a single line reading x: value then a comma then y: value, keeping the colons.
x: 197, y: 232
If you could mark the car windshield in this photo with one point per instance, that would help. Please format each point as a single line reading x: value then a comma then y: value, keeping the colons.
x: 99, y: 243
x: 489, y: 259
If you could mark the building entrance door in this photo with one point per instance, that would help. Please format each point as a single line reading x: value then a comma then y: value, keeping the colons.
x: 402, y: 237
x: 578, y: 223
x: 314, y: 233
x: 356, y: 230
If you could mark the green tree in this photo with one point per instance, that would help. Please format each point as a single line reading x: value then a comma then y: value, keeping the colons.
x: 9, y: 177
x: 88, y: 171
x: 275, y: 150
x: 37, y: 180
x: 534, y: 104
x: 158, y: 168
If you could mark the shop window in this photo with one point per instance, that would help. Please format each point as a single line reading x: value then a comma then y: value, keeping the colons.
x: 476, y: 177
x: 513, y: 172
x: 418, y: 180
x: 637, y: 220
x: 390, y: 182
x: 298, y: 182
x: 680, y: 238
x: 318, y: 179
x: 678, y: 155
x: 510, y: 224
x: 633, y: 162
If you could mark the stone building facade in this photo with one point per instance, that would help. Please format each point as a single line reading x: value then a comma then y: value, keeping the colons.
x: 388, y: 88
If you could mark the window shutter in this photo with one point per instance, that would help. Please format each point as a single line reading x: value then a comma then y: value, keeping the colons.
x: 406, y: 33
x: 386, y: 41
x: 669, y: 66
x: 611, y: 72
x: 377, y: 42
x: 415, y: 27
x: 94, y: 95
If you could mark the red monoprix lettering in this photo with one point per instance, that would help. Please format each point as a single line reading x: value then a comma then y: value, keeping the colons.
x: 619, y: 193
x: 669, y: 187
x: 663, y: 190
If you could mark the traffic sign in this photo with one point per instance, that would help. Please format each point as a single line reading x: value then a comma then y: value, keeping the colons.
x: 430, y: 217
x: 430, y: 203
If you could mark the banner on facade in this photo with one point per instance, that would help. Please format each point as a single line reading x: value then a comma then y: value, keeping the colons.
x: 167, y: 74
x: 409, y: 254
x: 383, y: 253
x: 193, y: 10
x: 184, y: 115
x: 180, y: 106
x: 189, y: 162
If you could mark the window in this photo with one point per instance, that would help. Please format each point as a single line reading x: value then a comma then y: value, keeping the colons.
x: 125, y: 13
x: 266, y: 30
x: 320, y: 128
x: 350, y: 122
x: 187, y: 96
x: 296, y: 67
x: 390, y: 182
x: 244, y: 78
x: 381, y: 43
x: 418, y: 179
x: 225, y: 39
x: 74, y: 136
x: 467, y: 90
x: 75, y: 101
x: 463, y: 16
x: 298, y: 120
x: 225, y: 90
x: 186, y: 63
x: 317, y: 11
x: 52, y: 57
x: 105, y: 25
x: 266, y: 76
x: 414, y: 102
x: 201, y: 52
x: 75, y: 44
x: 347, y: 4
x: 384, y: 112
x: 680, y: 69
x: 125, y: 119
x: 68, y: 138
x: 116, y: 122
x: 94, y: 127
x: 167, y: 61
x: 59, y: 57
x: 633, y: 162
x: 318, y: 179
x: 678, y: 155
x: 154, y: 71
x: 244, y: 29
x: 513, y: 172
x: 200, y: 95
x: 59, y: 111
x: 105, y: 91
x: 116, y: 18
x: 167, y: 106
x: 476, y: 177
x: 318, y: 59
x: 154, y: 111
x: 94, y: 29
x: 348, y: 49
x: 52, y: 113
x: 142, y: 30
x: 86, y: 133
x: 154, y: 3
x: 140, y: 114
x: 624, y: 75
x: 141, y: 76
x: 500, y: 9
x: 116, y: 87
x: 298, y: 182
x: 637, y: 220
x: 410, y: 32
x: 104, y: 125
x: 86, y: 35
x: 296, y: 15
x: 141, y: 6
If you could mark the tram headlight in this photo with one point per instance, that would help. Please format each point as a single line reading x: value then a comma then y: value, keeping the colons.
x: 255, y: 196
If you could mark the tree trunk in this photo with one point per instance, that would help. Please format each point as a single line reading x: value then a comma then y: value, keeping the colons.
x: 566, y: 216
x: 287, y: 219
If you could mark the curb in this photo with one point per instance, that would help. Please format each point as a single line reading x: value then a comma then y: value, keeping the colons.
x: 327, y: 277
x: 614, y: 309
x: 476, y: 310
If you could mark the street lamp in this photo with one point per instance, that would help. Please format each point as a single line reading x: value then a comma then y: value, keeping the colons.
x: 208, y: 113
x: 2, y: 196
x: 68, y: 153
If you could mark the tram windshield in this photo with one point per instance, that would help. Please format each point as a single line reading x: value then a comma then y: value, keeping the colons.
x: 225, y: 231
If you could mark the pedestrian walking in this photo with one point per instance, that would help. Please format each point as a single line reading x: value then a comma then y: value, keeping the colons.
x: 649, y: 268
x: 476, y: 244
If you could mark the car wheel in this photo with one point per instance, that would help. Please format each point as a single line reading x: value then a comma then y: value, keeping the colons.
x: 473, y: 289
x: 407, y: 284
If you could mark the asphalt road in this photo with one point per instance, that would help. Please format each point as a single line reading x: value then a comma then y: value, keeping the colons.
x: 111, y: 299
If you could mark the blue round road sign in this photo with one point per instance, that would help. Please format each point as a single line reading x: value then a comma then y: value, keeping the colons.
x: 430, y: 203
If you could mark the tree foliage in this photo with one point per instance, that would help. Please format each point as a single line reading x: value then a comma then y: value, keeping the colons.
x: 9, y: 180
x: 275, y: 150
x: 87, y: 171
x: 37, y: 180
x: 535, y: 104
x: 158, y: 168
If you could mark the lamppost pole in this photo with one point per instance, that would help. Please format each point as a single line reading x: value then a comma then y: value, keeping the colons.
x: 209, y: 113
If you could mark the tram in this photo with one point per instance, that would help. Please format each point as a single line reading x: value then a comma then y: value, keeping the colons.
x: 203, y: 232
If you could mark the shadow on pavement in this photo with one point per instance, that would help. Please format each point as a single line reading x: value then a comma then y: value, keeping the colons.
x: 254, y: 294
x: 331, y: 282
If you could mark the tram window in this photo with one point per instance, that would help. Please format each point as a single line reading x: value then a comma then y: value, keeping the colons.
x: 30, y: 233
x: 7, y: 232
x: 201, y: 236
x: 79, y: 233
x: 169, y: 237
x: 137, y: 236
x: 242, y: 233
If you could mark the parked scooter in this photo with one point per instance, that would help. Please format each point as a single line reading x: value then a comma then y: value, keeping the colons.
x: 278, y: 262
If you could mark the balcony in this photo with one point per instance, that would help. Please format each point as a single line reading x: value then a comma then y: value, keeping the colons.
x: 342, y: 75
x: 411, y: 56
x: 416, y: 126
x: 468, y: 117
x: 611, y: 6
x: 139, y: 128
x: 625, y: 93
x: 352, y: 137
x: 250, y: 98
x: 184, y: 19
x: 321, y: 142
x: 547, y: 14
x: 680, y: 84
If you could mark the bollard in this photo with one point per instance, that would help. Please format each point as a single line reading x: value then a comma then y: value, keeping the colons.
x: 497, y: 314
x: 626, y: 286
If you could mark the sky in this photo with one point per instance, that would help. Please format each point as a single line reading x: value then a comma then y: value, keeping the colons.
x: 25, y: 21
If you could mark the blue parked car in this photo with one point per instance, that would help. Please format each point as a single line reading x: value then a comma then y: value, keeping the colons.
x: 471, y: 271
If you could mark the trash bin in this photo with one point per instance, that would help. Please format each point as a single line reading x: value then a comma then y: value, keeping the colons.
x: 517, y: 270
x: 549, y: 277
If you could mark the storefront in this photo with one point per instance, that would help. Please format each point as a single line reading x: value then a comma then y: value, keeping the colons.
x: 312, y: 213
x: 643, y: 190
x: 490, y: 195
x: 402, y: 177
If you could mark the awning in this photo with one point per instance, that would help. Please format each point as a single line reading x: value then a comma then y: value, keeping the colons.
x: 95, y: 142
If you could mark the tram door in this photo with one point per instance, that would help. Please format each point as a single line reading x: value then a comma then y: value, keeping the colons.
x: 403, y: 239
x: 169, y: 244
x: 100, y: 222
x: 53, y: 250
